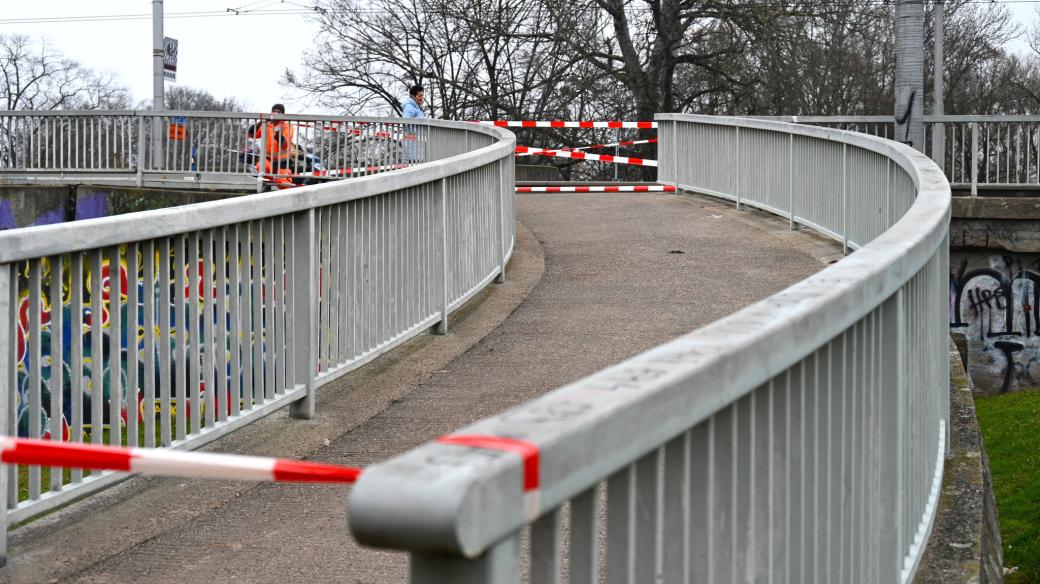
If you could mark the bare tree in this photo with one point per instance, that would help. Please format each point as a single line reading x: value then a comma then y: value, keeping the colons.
x: 191, y: 99
x: 38, y: 78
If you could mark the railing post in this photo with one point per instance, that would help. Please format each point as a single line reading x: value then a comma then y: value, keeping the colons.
x: 498, y: 565
x: 790, y: 178
x: 500, y: 245
x: 845, y: 199
x: 305, y: 311
x: 140, y: 151
x: 440, y: 237
x: 974, y: 159
x: 736, y: 164
x: 261, y: 163
x: 892, y: 543
x: 675, y: 153
x: 7, y: 344
x: 156, y: 143
x: 939, y: 144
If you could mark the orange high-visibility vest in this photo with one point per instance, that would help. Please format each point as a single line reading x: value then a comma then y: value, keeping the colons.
x: 279, y: 139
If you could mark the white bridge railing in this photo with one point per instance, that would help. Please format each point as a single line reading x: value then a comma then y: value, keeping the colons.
x: 990, y: 151
x: 174, y: 327
x: 801, y: 439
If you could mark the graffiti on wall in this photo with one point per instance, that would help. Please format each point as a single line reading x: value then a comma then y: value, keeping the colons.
x: 993, y: 301
x: 132, y: 346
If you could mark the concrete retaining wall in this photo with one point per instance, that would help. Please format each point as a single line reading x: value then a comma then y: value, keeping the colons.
x: 25, y: 206
x: 965, y: 541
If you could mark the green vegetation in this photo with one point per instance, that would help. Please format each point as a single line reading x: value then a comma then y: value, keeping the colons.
x: 1011, y: 431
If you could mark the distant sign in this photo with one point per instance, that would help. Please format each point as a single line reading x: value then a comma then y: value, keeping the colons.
x: 170, y: 59
x: 177, y: 129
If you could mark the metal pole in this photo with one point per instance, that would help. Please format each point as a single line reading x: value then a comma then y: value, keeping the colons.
x: 938, y: 130
x: 910, y: 72
x: 158, y: 97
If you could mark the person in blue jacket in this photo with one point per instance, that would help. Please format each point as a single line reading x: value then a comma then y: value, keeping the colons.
x: 414, y: 136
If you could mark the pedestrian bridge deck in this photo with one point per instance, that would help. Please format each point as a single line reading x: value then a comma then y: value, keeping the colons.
x: 594, y: 280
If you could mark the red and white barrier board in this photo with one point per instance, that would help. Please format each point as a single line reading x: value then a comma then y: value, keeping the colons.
x: 567, y: 124
x: 160, y: 461
x: 600, y: 189
x: 590, y: 147
x: 587, y: 156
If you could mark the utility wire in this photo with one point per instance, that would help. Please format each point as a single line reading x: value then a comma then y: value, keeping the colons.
x: 305, y: 10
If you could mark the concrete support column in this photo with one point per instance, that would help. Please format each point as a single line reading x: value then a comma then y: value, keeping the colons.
x: 909, y: 109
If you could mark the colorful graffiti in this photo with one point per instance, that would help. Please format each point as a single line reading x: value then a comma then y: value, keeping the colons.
x: 130, y: 338
x: 994, y: 301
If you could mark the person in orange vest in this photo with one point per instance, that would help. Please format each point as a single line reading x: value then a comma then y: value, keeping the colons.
x: 279, y: 148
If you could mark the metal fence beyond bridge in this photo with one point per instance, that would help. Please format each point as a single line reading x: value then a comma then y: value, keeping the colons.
x: 176, y: 149
x: 799, y: 440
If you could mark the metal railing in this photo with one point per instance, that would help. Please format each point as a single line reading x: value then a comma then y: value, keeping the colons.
x: 174, y: 327
x: 213, y: 149
x: 988, y: 151
x: 799, y: 440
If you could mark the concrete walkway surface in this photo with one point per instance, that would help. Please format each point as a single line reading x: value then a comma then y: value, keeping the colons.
x: 595, y: 279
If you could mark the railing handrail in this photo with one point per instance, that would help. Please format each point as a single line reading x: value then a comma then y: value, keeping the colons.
x: 872, y: 119
x: 30, y: 242
x: 464, y: 505
x: 208, y: 114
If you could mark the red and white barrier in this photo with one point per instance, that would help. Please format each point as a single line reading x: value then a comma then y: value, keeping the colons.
x: 600, y: 189
x: 358, y: 170
x: 587, y: 156
x: 591, y: 147
x: 566, y: 124
x: 157, y: 461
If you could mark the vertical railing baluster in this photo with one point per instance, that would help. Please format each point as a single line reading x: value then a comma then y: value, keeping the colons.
x: 8, y: 348
x: 236, y: 327
x: 56, y: 379
x: 148, y: 250
x: 620, y: 514
x: 35, y: 366
x: 168, y: 330
x: 584, y: 543
x: 546, y: 551
x: 440, y: 240
x: 892, y: 536
x: 220, y: 350
x: 133, y: 409
x: 975, y: 160
x: 115, y: 329
x: 209, y: 344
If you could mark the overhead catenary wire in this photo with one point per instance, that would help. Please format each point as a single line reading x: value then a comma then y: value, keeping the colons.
x: 310, y: 10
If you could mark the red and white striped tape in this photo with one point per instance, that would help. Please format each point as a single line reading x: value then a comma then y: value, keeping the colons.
x: 358, y: 170
x: 566, y: 124
x: 530, y: 456
x: 587, y: 156
x: 591, y: 147
x: 600, y: 189
x: 158, y: 461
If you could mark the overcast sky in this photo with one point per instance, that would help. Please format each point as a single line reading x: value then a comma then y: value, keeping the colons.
x: 229, y: 56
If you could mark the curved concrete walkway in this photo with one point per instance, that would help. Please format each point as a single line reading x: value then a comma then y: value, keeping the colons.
x: 595, y: 279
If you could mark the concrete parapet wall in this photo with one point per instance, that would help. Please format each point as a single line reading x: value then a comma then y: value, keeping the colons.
x: 965, y: 541
x: 25, y: 206
x: 1006, y: 224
